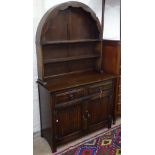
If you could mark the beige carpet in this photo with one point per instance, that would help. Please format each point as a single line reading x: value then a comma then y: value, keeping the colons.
x: 41, y: 147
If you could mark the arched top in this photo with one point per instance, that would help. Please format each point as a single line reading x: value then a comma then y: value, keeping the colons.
x: 52, y: 13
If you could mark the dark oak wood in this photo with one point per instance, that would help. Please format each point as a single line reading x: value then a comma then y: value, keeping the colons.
x: 76, y: 96
x: 76, y: 80
x: 112, y: 65
x: 46, y: 61
x: 71, y: 41
x: 70, y: 22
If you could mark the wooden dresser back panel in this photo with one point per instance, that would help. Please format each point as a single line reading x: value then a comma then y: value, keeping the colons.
x: 56, y: 27
x: 79, y: 28
x: 81, y: 65
x: 81, y: 49
x: 68, y: 67
x: 55, y: 51
x: 71, y: 24
x: 56, y: 68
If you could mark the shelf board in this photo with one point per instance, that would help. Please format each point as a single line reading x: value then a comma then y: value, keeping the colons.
x: 70, y: 41
x: 65, y: 74
x: 46, y: 61
x: 75, y: 79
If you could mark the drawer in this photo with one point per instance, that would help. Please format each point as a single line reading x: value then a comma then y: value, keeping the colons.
x: 97, y: 88
x: 69, y: 95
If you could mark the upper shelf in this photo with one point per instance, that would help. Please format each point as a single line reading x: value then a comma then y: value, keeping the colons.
x: 46, y: 61
x: 70, y: 41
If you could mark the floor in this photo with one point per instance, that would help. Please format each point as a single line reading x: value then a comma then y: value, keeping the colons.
x: 41, y: 147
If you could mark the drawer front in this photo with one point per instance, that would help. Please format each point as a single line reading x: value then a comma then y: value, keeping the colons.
x: 69, y: 95
x: 100, y: 87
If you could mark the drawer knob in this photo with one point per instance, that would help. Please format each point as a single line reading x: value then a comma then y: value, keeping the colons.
x: 57, y: 121
x: 89, y: 115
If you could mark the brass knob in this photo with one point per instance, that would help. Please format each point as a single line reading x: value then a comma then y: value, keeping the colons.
x: 88, y: 115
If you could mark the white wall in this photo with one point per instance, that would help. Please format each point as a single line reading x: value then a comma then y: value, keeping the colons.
x: 112, y: 20
x: 111, y: 31
x: 38, y: 12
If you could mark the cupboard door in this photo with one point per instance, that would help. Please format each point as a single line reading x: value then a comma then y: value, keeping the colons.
x: 68, y: 121
x: 99, y: 108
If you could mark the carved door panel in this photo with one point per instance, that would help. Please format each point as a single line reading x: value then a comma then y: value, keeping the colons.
x: 68, y: 121
x: 99, y: 108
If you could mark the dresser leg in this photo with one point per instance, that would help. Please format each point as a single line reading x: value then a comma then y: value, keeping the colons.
x: 42, y: 134
x: 109, y: 122
x: 54, y: 148
x: 114, y: 119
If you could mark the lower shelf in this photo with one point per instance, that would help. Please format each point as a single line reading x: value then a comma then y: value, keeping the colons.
x: 71, y: 58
